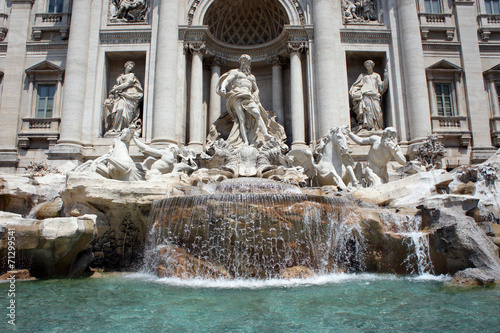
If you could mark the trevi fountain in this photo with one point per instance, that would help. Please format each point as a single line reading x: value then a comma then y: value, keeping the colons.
x: 252, y: 233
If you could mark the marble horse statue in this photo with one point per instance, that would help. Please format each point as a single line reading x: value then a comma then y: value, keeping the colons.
x: 333, y: 149
x: 329, y: 161
x: 117, y: 163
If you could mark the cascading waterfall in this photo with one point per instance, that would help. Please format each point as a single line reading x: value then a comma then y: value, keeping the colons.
x: 418, y: 260
x: 254, y: 234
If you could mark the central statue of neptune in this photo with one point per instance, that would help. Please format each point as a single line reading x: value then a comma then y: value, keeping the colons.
x: 239, y: 88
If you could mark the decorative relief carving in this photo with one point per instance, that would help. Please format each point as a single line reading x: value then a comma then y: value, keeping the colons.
x: 129, y: 10
x: 360, y: 11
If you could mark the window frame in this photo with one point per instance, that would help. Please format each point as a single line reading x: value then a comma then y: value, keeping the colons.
x: 490, y: 8
x: 439, y: 7
x: 37, y: 96
x: 442, y: 96
x: 58, y: 6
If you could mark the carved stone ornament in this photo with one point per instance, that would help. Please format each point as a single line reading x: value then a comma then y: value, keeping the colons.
x: 360, y: 11
x: 129, y: 10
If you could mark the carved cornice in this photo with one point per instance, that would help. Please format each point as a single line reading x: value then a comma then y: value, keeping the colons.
x: 125, y: 37
x: 214, y: 47
x: 23, y: 1
x: 489, y: 47
x: 450, y: 46
x: 365, y: 36
x: 36, y: 47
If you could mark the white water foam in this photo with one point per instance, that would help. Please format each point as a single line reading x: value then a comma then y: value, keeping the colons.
x: 333, y: 278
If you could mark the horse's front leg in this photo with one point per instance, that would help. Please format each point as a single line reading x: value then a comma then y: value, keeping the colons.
x: 120, y: 167
x: 350, y: 171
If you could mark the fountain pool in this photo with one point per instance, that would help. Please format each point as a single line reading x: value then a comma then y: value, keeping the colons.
x: 328, y: 303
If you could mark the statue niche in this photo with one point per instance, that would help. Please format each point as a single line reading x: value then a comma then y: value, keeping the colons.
x: 121, y: 108
x: 246, y: 121
x: 366, y: 94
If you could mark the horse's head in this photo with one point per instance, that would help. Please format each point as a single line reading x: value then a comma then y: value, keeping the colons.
x: 127, y: 133
x: 339, y: 137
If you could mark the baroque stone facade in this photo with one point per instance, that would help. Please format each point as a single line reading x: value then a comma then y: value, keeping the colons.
x: 59, y: 59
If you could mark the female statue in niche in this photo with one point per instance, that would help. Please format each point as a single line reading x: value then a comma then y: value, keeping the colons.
x: 366, y: 93
x: 123, y: 102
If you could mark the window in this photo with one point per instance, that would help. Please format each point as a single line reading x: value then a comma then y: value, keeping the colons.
x: 432, y: 6
x: 444, y: 99
x: 497, y: 86
x: 55, y: 6
x: 45, y: 100
x: 492, y: 6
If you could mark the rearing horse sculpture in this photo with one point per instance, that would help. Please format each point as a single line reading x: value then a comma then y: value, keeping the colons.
x: 117, y: 163
x: 329, y: 160
x: 333, y: 149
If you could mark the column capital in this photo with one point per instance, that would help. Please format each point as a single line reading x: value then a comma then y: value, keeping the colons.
x: 214, y: 61
x: 195, y: 47
x: 277, y: 60
x: 296, y: 47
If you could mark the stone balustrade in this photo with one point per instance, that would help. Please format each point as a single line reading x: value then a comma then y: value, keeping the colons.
x: 38, y: 128
x: 442, y: 22
x: 452, y: 126
x: 488, y: 24
x: 51, y: 22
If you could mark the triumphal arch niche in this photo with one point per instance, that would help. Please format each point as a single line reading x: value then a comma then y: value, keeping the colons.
x: 275, y: 34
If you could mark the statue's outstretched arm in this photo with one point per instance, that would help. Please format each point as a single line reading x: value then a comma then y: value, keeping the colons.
x: 358, y: 140
x: 147, y: 150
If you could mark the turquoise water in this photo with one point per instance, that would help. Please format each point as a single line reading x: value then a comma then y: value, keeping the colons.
x: 332, y: 303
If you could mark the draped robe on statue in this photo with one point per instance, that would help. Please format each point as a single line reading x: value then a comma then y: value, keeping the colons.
x: 248, y: 100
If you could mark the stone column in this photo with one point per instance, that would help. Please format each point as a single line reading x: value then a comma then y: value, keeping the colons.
x: 165, y: 88
x: 417, y: 97
x: 13, y: 83
x: 474, y: 82
x: 73, y: 102
x: 277, y: 69
x: 297, y: 96
x: 331, y: 73
x: 196, y: 98
x: 493, y: 96
x: 458, y: 94
x: 432, y: 95
x: 214, y: 109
